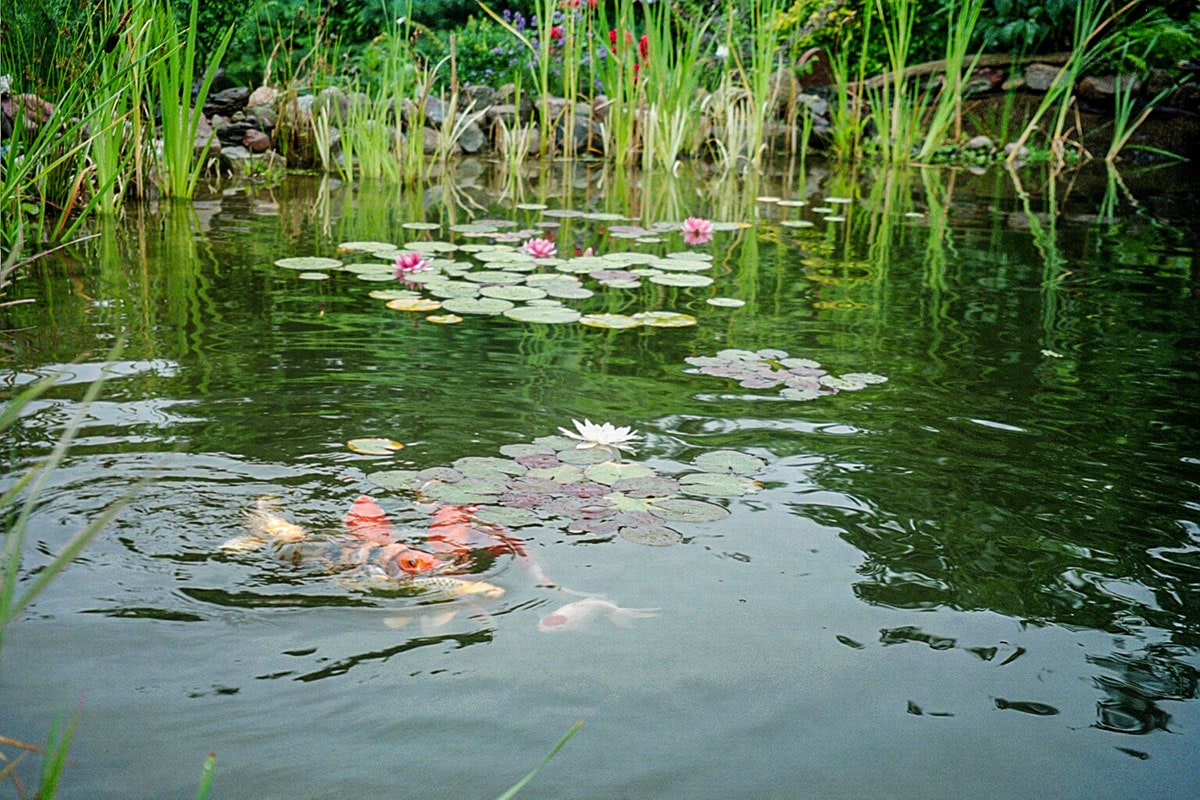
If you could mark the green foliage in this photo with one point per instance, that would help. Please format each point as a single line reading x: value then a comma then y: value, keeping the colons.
x: 1154, y: 40
x: 1027, y: 25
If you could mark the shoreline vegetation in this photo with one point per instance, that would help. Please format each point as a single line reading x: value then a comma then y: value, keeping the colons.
x: 134, y: 103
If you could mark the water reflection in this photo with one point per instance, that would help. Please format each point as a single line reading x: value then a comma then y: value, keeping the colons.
x: 1009, y: 524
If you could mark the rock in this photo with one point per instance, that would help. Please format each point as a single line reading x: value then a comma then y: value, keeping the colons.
x: 431, y: 141
x: 227, y: 102
x: 256, y: 141
x: 240, y: 162
x: 332, y: 101
x: 586, y: 136
x: 234, y: 133
x: 1008, y: 149
x: 477, y: 97
x: 506, y: 113
x: 980, y: 143
x: 1039, y: 77
x: 817, y: 106
x: 205, y: 138
x: 262, y: 116
x: 783, y: 86
x: 1098, y: 88
x: 263, y: 96
x: 436, y: 111
x: 471, y: 139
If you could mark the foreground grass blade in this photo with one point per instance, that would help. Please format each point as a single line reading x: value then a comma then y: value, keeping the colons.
x: 519, y: 785
x: 206, y: 776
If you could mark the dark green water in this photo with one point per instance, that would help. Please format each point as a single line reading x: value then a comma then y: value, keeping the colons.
x: 978, y: 579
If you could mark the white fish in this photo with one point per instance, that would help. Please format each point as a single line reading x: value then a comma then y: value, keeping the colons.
x: 434, y: 587
x: 264, y: 525
x: 574, y: 616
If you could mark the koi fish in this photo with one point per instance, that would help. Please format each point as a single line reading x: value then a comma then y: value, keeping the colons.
x: 392, y: 558
x: 367, y: 521
x: 576, y: 615
x: 435, y: 587
x: 263, y: 526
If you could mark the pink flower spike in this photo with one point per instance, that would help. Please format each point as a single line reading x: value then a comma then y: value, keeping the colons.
x: 697, y: 230
x: 409, y: 262
x: 539, y: 248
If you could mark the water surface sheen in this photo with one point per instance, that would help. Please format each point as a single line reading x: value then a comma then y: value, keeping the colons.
x: 978, y: 579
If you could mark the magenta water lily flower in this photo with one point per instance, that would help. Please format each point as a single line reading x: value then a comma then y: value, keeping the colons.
x: 697, y: 230
x: 409, y: 262
x: 539, y: 248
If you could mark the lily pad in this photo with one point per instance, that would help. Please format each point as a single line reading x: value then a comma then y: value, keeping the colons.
x: 506, y: 516
x: 710, y: 484
x: 681, y: 279
x: 408, y: 480
x: 647, y: 486
x: 414, y: 304
x: 308, y: 263
x: 683, y: 510
x: 517, y: 294
x: 612, y: 321
x: 313, y: 276
x: 799, y: 394
x: 544, y: 314
x: 585, y: 456
x: 448, y: 289
x: 374, y: 446
x: 556, y: 442
x: 665, y: 319
x: 366, y: 247
x: 609, y: 472
x: 725, y: 302
x: 653, y: 535
x: 444, y: 319
x: 494, y: 277
x: 421, y: 226
x: 470, y: 491
x: 376, y: 277
x: 476, y: 305
x: 522, y: 449
x: 729, y: 462
x: 392, y: 294
x: 473, y: 466
x: 562, y: 474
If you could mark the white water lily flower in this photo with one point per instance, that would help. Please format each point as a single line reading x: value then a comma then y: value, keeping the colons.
x: 606, y: 435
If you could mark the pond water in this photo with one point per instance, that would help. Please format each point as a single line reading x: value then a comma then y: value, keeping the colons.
x: 978, y: 577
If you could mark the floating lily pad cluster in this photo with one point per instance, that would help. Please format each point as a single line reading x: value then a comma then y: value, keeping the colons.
x: 496, y: 278
x: 552, y: 482
x: 801, y: 378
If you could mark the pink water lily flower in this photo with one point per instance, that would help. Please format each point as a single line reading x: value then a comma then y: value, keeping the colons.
x: 697, y: 230
x: 539, y: 248
x: 409, y: 262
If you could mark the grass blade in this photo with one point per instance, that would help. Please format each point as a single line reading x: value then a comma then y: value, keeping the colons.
x: 519, y: 785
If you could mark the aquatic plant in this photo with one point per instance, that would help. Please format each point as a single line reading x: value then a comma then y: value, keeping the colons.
x: 173, y: 79
x: 605, y: 436
x: 801, y: 378
x: 697, y: 231
x: 409, y: 262
x: 539, y: 248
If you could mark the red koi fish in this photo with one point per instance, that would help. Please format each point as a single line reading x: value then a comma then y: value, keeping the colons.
x: 457, y: 531
x: 368, y: 523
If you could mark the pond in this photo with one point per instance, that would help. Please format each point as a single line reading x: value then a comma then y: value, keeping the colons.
x: 913, y: 507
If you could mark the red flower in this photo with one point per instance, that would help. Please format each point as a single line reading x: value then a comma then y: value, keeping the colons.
x: 644, y: 47
x: 556, y: 32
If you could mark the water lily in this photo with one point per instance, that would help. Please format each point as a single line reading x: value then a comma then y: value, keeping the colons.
x: 592, y: 435
x: 409, y: 262
x: 539, y: 248
x: 697, y: 230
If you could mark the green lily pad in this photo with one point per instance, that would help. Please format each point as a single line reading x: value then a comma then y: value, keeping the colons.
x: 544, y: 314
x: 865, y: 377
x: 612, y: 321
x: 562, y: 474
x: 609, y: 472
x: 725, y: 302
x: 376, y: 277
x: 532, y: 206
x: 374, y: 446
x: 431, y: 247
x: 665, y: 319
x: 684, y: 265
x: 308, y: 263
x: 621, y: 283
x: 710, y: 484
x: 797, y: 223
x: 392, y: 294
x: 565, y: 291
x: 472, y: 491
x: 841, y: 384
x: 506, y: 517
x: 494, y: 276
x: 504, y: 256
x: 653, y: 535
x: 521, y: 449
x: 585, y: 456
x: 517, y: 294
x: 681, y: 279
x: 366, y: 247
x: 647, y: 486
x: 476, y: 305
x: 443, y: 474
x: 448, y: 289
x: 361, y: 269
x: 556, y: 442
x: 421, y: 226
x: 730, y: 462
x: 313, y: 276
x: 683, y: 510
x: 473, y: 466
x: 407, y: 480
x: 799, y: 394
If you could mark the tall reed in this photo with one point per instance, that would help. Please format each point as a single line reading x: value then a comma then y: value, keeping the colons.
x: 947, y: 111
x: 671, y: 77
x: 172, y: 81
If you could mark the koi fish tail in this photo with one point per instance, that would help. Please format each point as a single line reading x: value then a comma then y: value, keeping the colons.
x: 623, y: 617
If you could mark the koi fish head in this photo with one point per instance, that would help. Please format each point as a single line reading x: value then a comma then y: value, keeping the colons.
x: 413, y: 562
